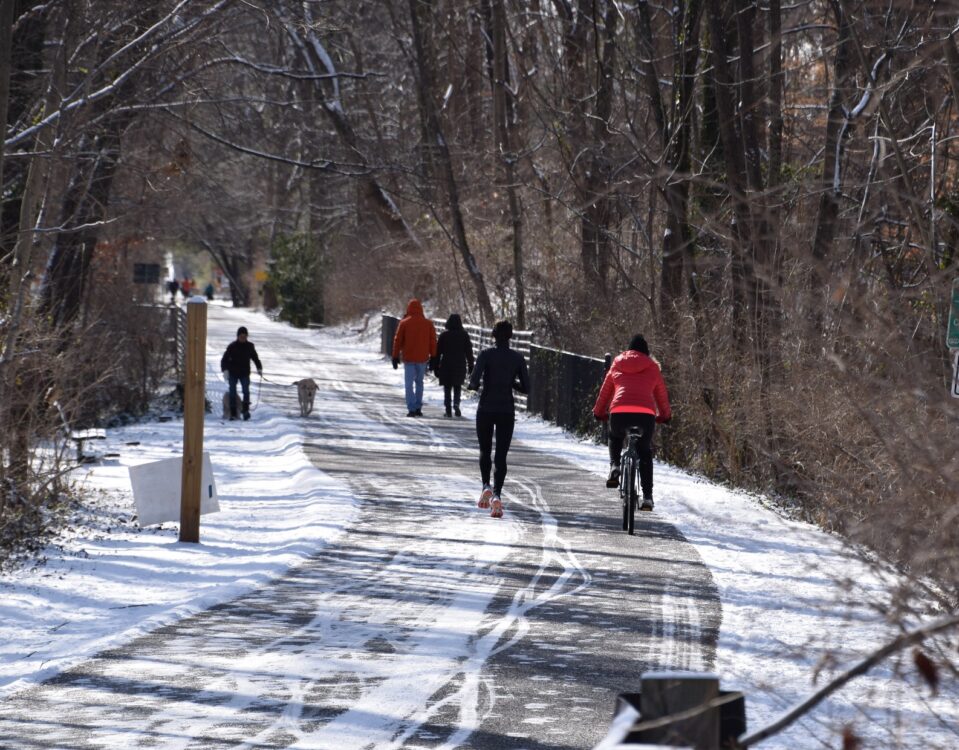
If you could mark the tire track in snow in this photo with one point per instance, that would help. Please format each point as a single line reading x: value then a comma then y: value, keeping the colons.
x: 429, y: 626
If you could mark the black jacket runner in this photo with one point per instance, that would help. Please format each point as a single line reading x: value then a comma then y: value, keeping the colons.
x: 501, y: 370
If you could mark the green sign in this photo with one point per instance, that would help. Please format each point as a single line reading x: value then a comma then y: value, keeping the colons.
x: 952, y: 334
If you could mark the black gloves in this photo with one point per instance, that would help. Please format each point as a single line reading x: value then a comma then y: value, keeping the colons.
x: 396, y: 363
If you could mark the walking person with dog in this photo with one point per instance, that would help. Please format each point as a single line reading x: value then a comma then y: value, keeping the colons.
x: 454, y: 359
x: 235, y: 365
x: 415, y: 342
x: 500, y: 370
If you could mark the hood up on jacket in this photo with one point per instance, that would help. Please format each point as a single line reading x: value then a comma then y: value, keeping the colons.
x: 453, y: 323
x: 632, y: 361
x: 414, y: 308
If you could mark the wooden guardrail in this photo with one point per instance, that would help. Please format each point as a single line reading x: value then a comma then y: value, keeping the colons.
x: 677, y: 710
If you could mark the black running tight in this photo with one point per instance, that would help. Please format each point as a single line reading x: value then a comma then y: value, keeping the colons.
x: 486, y: 424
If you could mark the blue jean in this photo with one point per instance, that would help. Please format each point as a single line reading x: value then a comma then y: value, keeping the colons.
x: 414, y: 373
x: 244, y: 381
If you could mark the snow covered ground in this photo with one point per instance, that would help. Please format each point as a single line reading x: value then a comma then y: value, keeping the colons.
x: 794, y: 600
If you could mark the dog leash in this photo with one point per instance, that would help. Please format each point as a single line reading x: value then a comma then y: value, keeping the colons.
x: 274, y: 382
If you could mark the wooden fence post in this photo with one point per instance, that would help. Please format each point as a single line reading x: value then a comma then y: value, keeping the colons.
x: 194, y: 403
x: 665, y: 693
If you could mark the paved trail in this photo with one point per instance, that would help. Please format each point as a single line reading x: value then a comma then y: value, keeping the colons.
x: 429, y: 625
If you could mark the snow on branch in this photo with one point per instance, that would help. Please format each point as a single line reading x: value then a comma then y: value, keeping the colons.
x: 325, y: 165
x: 285, y: 72
x: 70, y: 103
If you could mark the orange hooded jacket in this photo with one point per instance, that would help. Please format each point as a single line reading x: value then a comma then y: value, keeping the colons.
x: 415, y: 336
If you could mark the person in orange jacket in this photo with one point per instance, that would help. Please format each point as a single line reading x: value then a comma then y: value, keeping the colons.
x: 415, y: 342
x: 633, y: 395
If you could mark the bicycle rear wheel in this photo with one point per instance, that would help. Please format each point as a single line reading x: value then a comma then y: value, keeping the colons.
x: 631, y: 500
x: 624, y: 491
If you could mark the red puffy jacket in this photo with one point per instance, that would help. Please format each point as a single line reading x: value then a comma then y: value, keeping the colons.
x: 415, y: 336
x: 633, y: 384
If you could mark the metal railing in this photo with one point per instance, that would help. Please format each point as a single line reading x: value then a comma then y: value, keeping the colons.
x: 174, y: 335
x: 481, y: 337
x: 178, y: 326
x: 563, y: 385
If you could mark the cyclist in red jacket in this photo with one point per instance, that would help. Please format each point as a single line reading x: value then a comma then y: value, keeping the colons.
x: 633, y: 395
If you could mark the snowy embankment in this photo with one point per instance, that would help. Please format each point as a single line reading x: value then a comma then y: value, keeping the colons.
x: 795, y: 601
x: 106, y: 581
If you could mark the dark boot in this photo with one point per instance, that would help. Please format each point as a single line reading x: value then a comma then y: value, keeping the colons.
x: 456, y: 411
x: 613, y: 479
x: 449, y: 411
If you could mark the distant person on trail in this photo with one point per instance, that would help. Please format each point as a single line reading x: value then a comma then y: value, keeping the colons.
x: 415, y: 342
x: 500, y: 370
x: 633, y: 394
x: 209, y: 291
x: 172, y: 286
x: 185, y: 287
x: 454, y: 355
x: 235, y: 365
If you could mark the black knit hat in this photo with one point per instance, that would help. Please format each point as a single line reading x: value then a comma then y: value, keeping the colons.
x: 241, y: 330
x: 638, y: 343
x: 503, y: 330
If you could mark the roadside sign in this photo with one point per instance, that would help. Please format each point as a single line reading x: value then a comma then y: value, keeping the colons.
x: 954, y: 392
x: 952, y: 333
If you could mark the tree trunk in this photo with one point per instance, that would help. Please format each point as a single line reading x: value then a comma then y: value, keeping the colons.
x: 729, y: 133
x: 444, y: 159
x: 84, y: 208
x: 504, y: 137
x: 6, y: 42
x: 326, y: 90
x: 831, y: 178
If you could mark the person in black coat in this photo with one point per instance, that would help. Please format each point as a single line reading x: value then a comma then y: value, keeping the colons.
x: 500, y: 370
x: 454, y: 358
x: 236, y: 368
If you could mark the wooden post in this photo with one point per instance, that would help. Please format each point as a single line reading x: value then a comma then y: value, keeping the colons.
x: 666, y: 693
x: 194, y: 402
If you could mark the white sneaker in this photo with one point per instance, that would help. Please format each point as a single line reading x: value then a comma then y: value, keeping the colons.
x: 485, y: 497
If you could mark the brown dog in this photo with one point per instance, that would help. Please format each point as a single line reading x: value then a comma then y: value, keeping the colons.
x: 305, y: 391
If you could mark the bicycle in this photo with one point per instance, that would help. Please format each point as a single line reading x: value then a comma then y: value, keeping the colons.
x: 629, y: 478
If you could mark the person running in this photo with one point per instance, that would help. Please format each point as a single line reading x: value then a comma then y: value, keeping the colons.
x: 415, y: 340
x: 235, y: 365
x: 633, y: 394
x: 500, y: 370
x: 454, y: 354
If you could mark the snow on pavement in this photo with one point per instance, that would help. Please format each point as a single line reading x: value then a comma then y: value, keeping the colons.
x: 790, y: 594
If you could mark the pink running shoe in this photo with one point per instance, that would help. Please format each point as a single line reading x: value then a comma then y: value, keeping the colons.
x: 496, y: 507
x: 485, y: 497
